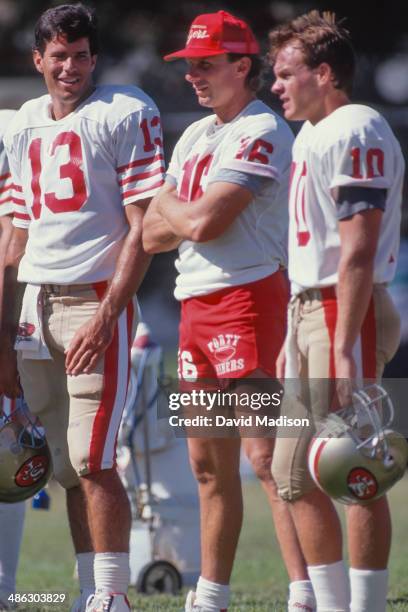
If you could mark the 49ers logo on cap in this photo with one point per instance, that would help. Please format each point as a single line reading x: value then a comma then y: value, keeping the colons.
x: 31, y: 471
x: 362, y: 483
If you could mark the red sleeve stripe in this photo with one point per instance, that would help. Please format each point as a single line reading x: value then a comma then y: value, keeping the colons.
x: 132, y: 192
x: 141, y: 176
x: 5, y: 200
x: 6, y: 188
x: 3, y: 177
x: 18, y: 202
x: 21, y: 216
x: 18, y: 188
x: 140, y: 162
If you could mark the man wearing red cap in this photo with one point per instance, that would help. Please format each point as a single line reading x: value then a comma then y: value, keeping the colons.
x: 224, y: 204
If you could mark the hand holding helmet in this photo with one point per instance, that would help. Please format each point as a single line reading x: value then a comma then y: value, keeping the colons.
x: 25, y: 460
x: 355, y: 456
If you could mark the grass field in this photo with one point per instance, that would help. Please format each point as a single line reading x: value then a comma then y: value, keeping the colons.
x: 259, y: 580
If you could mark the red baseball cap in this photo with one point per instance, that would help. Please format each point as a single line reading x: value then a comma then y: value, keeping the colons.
x: 215, y: 34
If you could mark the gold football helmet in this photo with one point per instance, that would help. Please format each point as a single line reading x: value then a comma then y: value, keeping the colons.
x: 355, y: 456
x: 25, y: 460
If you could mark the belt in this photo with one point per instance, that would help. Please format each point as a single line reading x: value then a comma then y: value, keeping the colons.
x: 326, y: 293
x: 321, y: 294
x: 61, y: 290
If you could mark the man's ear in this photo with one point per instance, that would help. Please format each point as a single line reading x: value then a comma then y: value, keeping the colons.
x: 244, y: 66
x: 37, y: 59
x: 324, y: 73
x: 93, y: 59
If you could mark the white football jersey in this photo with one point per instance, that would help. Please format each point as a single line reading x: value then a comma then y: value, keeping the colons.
x: 257, y: 142
x: 73, y: 177
x: 354, y: 145
x: 6, y: 204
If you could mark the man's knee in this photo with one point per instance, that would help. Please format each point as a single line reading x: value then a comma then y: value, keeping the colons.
x: 104, y: 485
x: 66, y: 476
x: 204, y: 469
x: 102, y: 476
x: 261, y: 461
x: 213, y: 474
x: 292, y: 480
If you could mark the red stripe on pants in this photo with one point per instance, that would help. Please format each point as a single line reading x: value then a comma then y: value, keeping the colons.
x: 104, y: 413
x: 130, y: 311
x: 110, y: 379
x: 330, y: 316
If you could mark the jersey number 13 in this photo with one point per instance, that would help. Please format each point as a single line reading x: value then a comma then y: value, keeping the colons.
x: 72, y: 170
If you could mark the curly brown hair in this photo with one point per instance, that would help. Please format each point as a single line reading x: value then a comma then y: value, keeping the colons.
x: 322, y: 39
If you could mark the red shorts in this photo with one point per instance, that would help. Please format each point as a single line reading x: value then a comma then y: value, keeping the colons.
x: 234, y: 331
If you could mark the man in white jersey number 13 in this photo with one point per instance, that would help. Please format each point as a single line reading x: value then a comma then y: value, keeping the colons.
x: 224, y: 204
x: 344, y: 224
x: 85, y: 162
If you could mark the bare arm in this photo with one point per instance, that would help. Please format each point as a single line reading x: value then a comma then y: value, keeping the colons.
x: 359, y: 238
x: 207, y: 217
x: 158, y: 236
x: 92, y: 339
x: 6, y: 231
x: 11, y: 305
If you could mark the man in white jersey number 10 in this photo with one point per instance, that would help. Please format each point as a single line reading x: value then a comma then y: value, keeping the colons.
x: 344, y: 225
x: 224, y: 204
x: 85, y: 162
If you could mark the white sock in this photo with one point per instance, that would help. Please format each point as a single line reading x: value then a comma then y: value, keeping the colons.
x: 112, y: 572
x: 301, y: 596
x: 331, y: 587
x: 368, y: 590
x: 212, y: 596
x: 86, y: 574
x: 11, y: 531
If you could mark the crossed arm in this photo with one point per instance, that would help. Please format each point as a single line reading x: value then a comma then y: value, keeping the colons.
x: 170, y: 220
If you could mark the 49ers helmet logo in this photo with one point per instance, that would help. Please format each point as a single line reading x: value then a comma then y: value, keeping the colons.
x: 32, y: 471
x: 362, y: 483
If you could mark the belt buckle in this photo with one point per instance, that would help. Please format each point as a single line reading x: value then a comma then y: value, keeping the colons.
x: 52, y: 290
x: 308, y: 295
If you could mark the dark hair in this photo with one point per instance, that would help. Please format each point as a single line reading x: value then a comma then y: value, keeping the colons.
x: 73, y: 21
x: 253, y: 78
x: 322, y: 39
